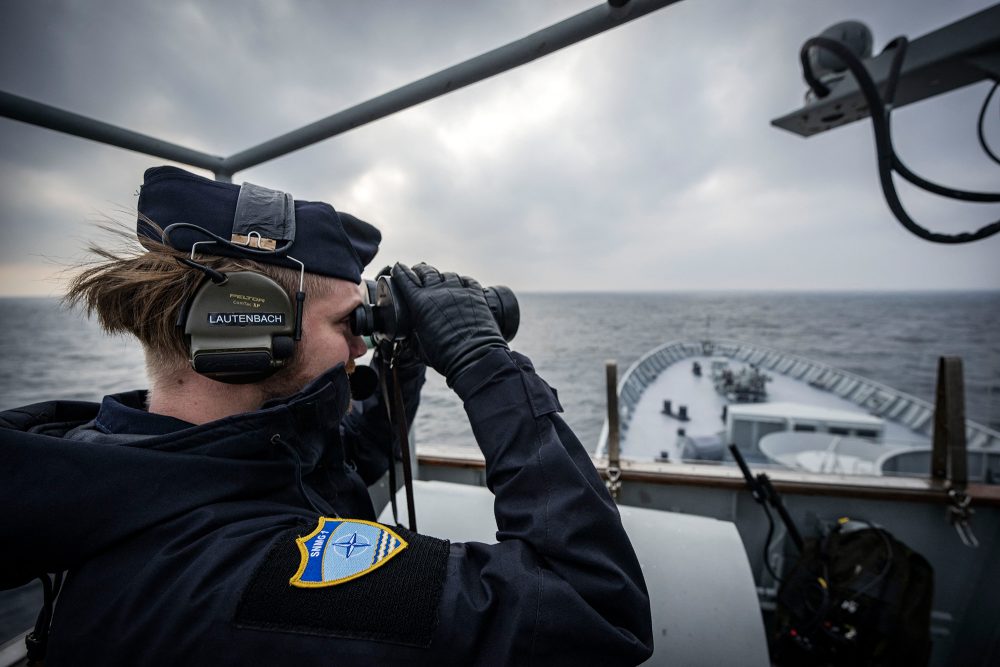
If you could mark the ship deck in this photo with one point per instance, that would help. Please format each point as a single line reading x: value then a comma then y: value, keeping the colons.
x: 651, y: 432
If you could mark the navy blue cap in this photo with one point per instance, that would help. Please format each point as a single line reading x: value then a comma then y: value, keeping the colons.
x: 327, y: 242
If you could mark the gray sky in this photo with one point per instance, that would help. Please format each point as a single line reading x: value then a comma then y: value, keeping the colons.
x: 642, y: 158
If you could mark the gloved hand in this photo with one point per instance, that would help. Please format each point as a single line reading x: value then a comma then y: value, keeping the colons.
x: 451, y: 320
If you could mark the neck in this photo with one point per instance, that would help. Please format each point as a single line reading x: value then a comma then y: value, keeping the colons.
x: 197, y: 399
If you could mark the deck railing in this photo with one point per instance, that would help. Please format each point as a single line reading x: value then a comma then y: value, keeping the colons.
x: 876, y: 398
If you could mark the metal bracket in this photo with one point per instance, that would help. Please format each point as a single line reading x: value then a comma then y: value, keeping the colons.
x: 960, y: 516
x: 956, y: 55
x: 614, y: 481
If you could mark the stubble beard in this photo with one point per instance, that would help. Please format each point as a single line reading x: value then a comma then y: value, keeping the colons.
x: 290, y: 380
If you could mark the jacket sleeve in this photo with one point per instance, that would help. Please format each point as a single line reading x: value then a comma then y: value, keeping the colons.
x: 367, y: 435
x: 563, y: 584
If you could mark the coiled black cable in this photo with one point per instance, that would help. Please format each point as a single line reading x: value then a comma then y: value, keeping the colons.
x: 767, y: 544
x: 880, y: 576
x: 888, y: 161
x: 979, y: 124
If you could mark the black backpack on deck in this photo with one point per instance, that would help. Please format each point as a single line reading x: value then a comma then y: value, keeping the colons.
x: 858, y: 596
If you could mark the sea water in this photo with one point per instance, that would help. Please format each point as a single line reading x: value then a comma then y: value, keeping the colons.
x: 893, y: 338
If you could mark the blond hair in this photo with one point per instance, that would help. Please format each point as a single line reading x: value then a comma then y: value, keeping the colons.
x: 139, y: 288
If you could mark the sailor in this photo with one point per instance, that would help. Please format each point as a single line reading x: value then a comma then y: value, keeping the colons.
x: 222, y: 517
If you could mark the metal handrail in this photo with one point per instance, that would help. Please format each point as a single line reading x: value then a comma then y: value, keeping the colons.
x: 25, y: 110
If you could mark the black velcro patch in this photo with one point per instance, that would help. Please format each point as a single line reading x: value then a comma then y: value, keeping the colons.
x: 396, y: 603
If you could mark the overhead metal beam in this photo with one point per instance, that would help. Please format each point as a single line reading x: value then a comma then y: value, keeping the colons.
x: 29, y: 111
x: 543, y: 42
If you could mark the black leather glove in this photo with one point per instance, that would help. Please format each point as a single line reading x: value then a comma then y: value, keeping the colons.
x: 451, y: 320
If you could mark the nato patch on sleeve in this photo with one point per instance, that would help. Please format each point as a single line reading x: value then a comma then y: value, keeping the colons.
x: 340, y: 550
x: 350, y: 579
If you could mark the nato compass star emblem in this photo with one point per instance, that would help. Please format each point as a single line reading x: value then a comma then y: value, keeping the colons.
x: 352, y: 545
x: 343, y: 549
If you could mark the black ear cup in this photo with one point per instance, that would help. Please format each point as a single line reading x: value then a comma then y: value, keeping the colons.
x: 239, y: 331
x: 235, y: 367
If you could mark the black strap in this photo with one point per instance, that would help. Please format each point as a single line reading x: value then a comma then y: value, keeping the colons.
x: 383, y: 387
x: 404, y: 443
x: 36, y: 642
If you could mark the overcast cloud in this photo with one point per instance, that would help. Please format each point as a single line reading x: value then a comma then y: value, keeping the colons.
x: 642, y: 158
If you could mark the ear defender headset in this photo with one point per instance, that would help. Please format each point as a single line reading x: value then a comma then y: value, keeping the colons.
x: 241, y: 327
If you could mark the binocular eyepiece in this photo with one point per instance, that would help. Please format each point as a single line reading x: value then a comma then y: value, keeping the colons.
x: 385, y: 316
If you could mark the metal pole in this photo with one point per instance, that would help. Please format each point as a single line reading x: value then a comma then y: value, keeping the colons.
x: 614, y: 442
x: 614, y: 470
x: 543, y: 42
x: 29, y: 111
x: 948, y: 455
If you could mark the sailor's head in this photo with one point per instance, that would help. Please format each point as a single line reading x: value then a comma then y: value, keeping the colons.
x: 227, y: 228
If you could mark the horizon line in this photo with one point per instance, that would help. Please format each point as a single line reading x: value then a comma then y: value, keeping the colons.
x: 712, y: 290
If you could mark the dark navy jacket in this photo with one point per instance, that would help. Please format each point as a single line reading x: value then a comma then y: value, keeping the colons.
x: 179, y: 547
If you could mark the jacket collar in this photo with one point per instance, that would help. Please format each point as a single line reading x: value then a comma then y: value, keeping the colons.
x: 307, y: 421
x: 125, y: 414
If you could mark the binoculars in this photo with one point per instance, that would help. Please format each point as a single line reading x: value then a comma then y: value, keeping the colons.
x: 385, y: 316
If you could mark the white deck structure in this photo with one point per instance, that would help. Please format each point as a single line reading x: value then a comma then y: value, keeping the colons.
x: 800, y: 390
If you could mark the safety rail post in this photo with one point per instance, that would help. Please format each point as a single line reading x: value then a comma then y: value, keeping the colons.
x: 949, y: 456
x: 614, y: 471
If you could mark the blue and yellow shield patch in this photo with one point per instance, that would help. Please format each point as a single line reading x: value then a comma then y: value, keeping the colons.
x: 343, y: 549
